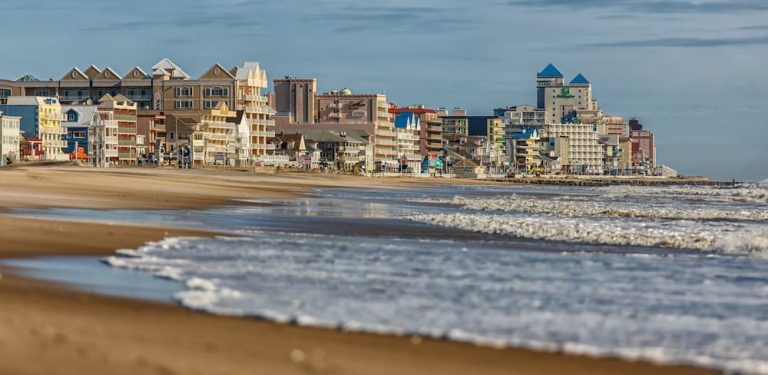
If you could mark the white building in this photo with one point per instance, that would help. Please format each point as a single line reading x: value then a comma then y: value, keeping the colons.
x: 585, y: 154
x: 407, y: 136
x: 10, y: 134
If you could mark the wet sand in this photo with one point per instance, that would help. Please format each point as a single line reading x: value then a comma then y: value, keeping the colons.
x: 47, y: 329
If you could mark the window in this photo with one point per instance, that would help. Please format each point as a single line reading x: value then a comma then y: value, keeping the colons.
x: 72, y: 117
x: 183, y: 91
x: 216, y: 91
x: 183, y: 104
x: 42, y: 93
x: 5, y: 93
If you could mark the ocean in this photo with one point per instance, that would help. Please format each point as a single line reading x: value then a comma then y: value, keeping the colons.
x: 666, y: 274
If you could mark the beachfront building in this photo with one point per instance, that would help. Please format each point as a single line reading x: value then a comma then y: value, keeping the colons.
x: 644, y: 148
x: 10, y: 138
x: 616, y: 125
x: 430, y: 130
x: 41, y: 119
x: 341, y: 150
x: 78, y: 121
x: 168, y: 90
x: 524, y: 147
x: 455, y: 122
x: 207, y: 133
x: 407, y: 129
x: 611, y: 153
x: 299, y: 107
x: 243, y: 139
x: 151, y: 136
x: 102, y: 140
x: 585, y: 154
x: 124, y: 113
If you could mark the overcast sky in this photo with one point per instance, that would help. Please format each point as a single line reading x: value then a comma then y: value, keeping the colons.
x: 692, y: 71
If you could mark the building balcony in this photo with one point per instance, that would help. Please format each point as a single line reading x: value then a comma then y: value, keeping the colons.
x: 74, y: 98
x: 126, y: 155
x: 128, y: 118
x: 139, y: 97
x: 221, y: 125
x: 126, y: 142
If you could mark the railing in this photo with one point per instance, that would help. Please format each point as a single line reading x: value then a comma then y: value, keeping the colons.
x: 139, y: 97
x: 126, y: 130
x: 75, y: 98
x: 126, y: 155
x: 126, y: 142
x: 125, y: 118
x: 110, y: 140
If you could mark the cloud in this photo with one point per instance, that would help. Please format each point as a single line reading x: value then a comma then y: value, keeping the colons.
x: 651, y: 6
x: 390, y: 18
x: 685, y: 42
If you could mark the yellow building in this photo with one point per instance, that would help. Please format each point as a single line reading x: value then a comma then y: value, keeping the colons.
x: 496, y: 134
x: 41, y: 119
x: 210, y: 136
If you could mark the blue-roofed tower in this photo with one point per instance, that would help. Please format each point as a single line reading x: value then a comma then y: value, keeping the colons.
x: 579, y: 80
x: 550, y: 76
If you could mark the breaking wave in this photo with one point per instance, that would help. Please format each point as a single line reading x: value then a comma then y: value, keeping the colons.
x: 576, y: 207
x: 740, y: 193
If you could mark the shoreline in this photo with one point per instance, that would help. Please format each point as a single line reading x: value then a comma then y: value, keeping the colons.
x: 47, y: 327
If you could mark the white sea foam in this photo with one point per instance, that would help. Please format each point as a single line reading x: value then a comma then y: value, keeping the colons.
x: 680, y: 234
x: 741, y: 193
x: 592, y: 207
x: 681, y: 310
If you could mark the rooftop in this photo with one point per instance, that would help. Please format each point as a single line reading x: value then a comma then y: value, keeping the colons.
x: 550, y: 72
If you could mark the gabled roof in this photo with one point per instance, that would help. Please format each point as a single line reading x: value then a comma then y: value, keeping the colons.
x: 136, y: 73
x: 580, y: 80
x: 550, y: 72
x: 217, y: 71
x: 85, y: 114
x: 27, y: 78
x: 171, y: 67
x: 160, y: 72
x: 108, y: 74
x: 106, y: 98
x: 92, y: 72
x: 75, y: 73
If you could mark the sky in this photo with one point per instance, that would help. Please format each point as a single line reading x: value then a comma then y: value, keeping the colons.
x: 694, y: 72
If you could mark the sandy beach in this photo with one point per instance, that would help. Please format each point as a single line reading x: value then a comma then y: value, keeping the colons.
x: 48, y: 329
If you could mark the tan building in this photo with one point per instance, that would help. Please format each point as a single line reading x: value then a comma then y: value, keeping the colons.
x: 616, y: 125
x: 124, y: 112
x: 455, y: 122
